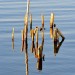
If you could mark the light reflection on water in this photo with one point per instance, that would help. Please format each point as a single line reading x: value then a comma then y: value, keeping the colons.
x: 12, y: 15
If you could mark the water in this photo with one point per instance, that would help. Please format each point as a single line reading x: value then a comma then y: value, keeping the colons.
x: 12, y: 15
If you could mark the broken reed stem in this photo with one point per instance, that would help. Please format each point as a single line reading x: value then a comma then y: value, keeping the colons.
x: 13, y: 34
x: 32, y: 40
x: 51, y: 24
x: 26, y: 19
x: 42, y: 39
x: 22, y: 35
x: 52, y: 20
x: 28, y: 6
x: 42, y: 17
x: 25, y: 36
x: 39, y: 51
x: 55, y: 40
x: 36, y: 38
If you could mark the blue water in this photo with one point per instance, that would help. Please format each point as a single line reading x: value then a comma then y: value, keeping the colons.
x: 12, y: 15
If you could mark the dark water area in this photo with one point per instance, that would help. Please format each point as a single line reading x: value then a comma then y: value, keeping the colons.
x: 12, y: 62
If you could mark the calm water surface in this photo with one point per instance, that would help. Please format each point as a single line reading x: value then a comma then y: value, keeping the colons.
x: 12, y: 15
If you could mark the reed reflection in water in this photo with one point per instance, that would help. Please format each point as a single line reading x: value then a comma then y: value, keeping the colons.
x: 57, y: 46
x: 36, y: 48
x: 13, y: 44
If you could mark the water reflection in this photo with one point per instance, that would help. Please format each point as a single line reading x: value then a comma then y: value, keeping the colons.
x: 12, y: 44
x: 40, y: 55
x: 57, y: 46
x: 26, y: 49
x: 39, y: 64
x: 36, y: 48
x: 22, y: 46
x: 13, y: 38
x: 32, y: 37
x: 56, y: 35
x: 26, y: 61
